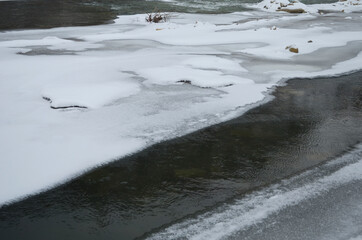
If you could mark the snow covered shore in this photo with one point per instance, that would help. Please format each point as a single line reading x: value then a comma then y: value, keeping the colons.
x: 75, y: 98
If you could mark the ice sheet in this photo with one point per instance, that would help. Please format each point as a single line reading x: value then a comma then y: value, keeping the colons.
x: 131, y: 84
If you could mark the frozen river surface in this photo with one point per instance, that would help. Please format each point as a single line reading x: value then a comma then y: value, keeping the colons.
x: 260, y: 176
x: 76, y: 98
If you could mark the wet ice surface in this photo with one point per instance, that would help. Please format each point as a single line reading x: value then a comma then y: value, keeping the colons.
x: 323, y: 203
x: 125, y: 86
x: 335, y: 214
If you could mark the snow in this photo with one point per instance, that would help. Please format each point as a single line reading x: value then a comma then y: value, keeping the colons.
x: 212, y: 62
x: 280, y: 5
x: 283, y: 5
x: 55, y: 43
x: 197, y: 77
x: 347, y: 6
x: 89, y: 87
x: 88, y: 95
x: 125, y: 86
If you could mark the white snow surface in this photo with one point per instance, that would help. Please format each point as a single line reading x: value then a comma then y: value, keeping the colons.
x: 125, y: 86
x: 283, y: 5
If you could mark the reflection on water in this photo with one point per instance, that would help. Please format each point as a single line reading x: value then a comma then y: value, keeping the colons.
x: 50, y: 13
x: 308, y: 122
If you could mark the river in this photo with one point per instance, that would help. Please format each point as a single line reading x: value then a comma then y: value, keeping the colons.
x: 199, y: 159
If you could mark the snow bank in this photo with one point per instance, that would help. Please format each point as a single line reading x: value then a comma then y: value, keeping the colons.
x: 285, y: 5
x: 347, y: 6
x: 142, y: 83
x: 294, y: 6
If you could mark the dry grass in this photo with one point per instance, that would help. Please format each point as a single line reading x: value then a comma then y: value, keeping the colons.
x: 156, y: 16
x: 298, y: 10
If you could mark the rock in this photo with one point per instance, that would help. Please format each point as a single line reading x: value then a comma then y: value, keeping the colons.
x: 310, y: 41
x: 292, y: 49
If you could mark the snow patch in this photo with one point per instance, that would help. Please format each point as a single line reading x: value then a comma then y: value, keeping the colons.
x: 212, y: 62
x: 294, y: 6
x: 197, y: 77
x: 88, y: 95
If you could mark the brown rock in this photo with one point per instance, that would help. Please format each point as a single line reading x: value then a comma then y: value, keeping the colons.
x: 294, y: 50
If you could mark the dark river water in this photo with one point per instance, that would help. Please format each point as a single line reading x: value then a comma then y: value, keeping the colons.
x: 310, y: 121
x: 30, y: 14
